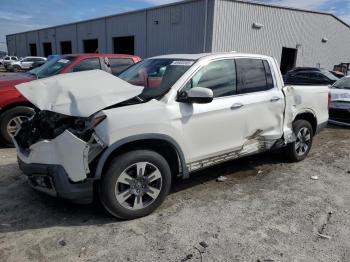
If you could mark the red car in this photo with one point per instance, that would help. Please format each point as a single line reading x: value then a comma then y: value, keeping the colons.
x: 14, y: 108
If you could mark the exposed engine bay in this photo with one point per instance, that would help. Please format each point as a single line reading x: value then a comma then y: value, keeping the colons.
x: 56, y: 139
x: 47, y: 125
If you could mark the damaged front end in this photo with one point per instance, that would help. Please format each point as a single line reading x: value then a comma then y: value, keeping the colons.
x: 57, y: 147
x: 53, y: 149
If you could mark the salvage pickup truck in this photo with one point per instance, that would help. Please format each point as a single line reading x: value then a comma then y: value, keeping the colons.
x: 164, y: 117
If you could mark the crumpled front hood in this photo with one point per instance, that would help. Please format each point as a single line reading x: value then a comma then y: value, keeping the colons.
x: 78, y: 94
x: 340, y: 95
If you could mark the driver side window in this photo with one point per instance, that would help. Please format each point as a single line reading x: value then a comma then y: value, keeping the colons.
x: 219, y: 76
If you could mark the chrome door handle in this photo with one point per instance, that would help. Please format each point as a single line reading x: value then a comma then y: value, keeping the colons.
x: 275, y: 99
x: 236, y: 106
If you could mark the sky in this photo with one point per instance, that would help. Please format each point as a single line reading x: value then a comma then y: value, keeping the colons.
x: 23, y: 15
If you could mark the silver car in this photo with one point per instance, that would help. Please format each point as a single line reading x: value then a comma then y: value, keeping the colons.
x: 25, y: 63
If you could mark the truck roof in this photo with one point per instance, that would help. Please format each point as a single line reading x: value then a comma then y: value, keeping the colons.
x: 208, y: 55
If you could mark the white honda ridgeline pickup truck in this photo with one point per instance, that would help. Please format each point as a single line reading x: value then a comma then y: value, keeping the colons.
x: 165, y: 117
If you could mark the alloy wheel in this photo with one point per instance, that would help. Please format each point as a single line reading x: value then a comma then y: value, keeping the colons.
x: 138, y: 186
x: 303, y: 141
x: 15, y: 123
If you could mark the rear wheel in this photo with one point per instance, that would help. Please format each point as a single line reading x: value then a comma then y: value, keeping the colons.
x: 11, y: 120
x: 300, y: 148
x: 135, y: 184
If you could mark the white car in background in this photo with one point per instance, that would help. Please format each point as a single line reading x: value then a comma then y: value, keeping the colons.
x: 339, y: 110
x: 7, y: 60
x: 26, y: 63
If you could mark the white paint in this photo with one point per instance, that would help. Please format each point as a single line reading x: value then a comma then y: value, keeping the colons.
x: 65, y: 150
x: 202, y: 131
x: 78, y: 94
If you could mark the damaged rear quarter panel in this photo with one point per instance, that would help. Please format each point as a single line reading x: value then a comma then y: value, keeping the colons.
x: 304, y: 99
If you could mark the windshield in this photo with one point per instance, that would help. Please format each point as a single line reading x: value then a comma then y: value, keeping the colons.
x: 343, y: 83
x: 52, y: 67
x: 329, y: 75
x: 157, y: 76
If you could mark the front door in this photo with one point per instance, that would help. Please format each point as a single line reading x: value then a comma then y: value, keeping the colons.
x: 26, y: 63
x: 215, y: 128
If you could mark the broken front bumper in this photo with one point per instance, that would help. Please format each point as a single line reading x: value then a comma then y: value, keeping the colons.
x: 60, y: 167
x: 54, y: 181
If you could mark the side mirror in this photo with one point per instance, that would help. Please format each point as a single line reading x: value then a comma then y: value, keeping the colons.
x: 197, y: 95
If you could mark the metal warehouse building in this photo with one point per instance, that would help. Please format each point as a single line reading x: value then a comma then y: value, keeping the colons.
x: 294, y: 37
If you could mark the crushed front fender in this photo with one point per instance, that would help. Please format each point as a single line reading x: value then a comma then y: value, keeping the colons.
x: 66, y: 150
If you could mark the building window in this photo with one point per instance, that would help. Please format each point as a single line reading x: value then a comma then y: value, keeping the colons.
x: 66, y: 47
x: 124, y: 45
x: 91, y: 46
x: 47, y: 49
x: 33, y: 50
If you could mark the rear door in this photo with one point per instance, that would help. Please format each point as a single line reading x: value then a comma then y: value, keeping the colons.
x: 262, y: 100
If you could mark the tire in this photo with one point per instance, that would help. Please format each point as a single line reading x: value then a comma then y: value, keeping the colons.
x: 298, y: 150
x: 122, y: 199
x: 16, y: 69
x: 10, y: 118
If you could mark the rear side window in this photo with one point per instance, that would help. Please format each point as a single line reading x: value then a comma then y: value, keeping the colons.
x: 87, y: 64
x: 37, y: 59
x: 253, y: 75
x: 119, y: 64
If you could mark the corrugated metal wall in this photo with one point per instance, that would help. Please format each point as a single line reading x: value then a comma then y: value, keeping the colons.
x: 46, y: 36
x: 67, y: 33
x: 176, y: 28
x: 32, y: 38
x: 94, y: 29
x: 11, y: 44
x: 21, y: 44
x: 282, y: 28
x: 180, y: 28
x: 133, y: 24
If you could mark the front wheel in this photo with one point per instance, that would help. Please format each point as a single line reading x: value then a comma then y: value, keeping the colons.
x: 11, y: 120
x: 135, y: 184
x: 16, y: 69
x: 300, y: 148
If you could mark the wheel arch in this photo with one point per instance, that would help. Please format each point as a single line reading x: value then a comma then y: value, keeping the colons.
x: 16, y: 104
x: 308, y: 115
x: 162, y: 144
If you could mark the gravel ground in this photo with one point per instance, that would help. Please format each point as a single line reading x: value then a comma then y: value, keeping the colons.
x: 266, y: 210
